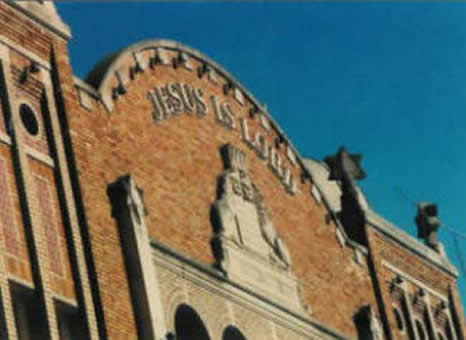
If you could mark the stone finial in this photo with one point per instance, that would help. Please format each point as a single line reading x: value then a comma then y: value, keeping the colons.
x: 427, y: 224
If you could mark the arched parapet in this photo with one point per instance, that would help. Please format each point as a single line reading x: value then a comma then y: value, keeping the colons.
x: 113, y: 70
x: 111, y: 77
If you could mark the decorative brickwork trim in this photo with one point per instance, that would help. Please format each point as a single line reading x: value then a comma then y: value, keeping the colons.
x: 48, y: 221
x: 7, y: 218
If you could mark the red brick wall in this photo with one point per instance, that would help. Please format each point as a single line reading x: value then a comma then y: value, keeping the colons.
x: 11, y: 221
x: 177, y: 163
x: 415, y: 266
x: 52, y: 228
x: 18, y: 29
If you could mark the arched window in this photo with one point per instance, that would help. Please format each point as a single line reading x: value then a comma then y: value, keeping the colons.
x: 232, y: 333
x: 188, y: 324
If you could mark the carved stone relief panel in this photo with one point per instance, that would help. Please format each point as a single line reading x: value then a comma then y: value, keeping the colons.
x: 246, y: 245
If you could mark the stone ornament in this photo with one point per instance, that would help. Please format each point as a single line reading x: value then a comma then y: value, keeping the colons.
x: 427, y: 222
x: 242, y: 214
x: 270, y: 234
x: 345, y: 168
x: 246, y: 245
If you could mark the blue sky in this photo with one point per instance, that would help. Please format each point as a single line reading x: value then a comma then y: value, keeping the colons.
x: 387, y: 80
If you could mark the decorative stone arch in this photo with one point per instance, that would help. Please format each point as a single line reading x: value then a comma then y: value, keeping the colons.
x: 152, y: 52
x: 233, y: 333
x: 174, y: 299
x: 189, y: 325
x: 221, y: 321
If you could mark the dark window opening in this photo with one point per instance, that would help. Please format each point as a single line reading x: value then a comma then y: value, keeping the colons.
x: 71, y: 324
x: 31, y: 322
x: 29, y: 120
x: 188, y: 324
x: 232, y: 333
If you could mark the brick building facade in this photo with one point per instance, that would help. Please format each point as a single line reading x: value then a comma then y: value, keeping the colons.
x: 157, y: 199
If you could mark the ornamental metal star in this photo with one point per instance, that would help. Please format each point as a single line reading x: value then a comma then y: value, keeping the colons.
x: 344, y: 163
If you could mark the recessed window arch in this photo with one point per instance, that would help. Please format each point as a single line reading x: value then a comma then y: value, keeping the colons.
x: 232, y: 333
x: 189, y: 325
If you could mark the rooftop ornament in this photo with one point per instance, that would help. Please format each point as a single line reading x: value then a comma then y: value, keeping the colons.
x: 427, y: 222
x: 345, y: 167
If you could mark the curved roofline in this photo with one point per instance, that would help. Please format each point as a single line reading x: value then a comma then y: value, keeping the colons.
x: 101, y: 74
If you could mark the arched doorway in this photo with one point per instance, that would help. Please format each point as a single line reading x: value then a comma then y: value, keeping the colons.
x: 232, y: 333
x: 188, y: 324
